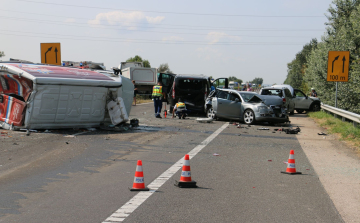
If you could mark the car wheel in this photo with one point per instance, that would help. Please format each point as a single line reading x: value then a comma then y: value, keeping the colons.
x: 299, y: 111
x: 210, y: 113
x: 315, y: 107
x: 249, y: 117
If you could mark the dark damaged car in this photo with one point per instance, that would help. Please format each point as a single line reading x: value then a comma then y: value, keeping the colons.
x: 244, y: 106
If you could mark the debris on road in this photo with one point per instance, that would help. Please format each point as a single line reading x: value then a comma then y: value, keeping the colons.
x: 205, y: 120
x: 263, y: 128
x: 289, y: 130
x: 134, y: 122
x: 70, y: 136
x: 322, y: 134
x: 215, y: 154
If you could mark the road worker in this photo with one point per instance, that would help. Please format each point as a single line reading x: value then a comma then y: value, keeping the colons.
x: 157, y: 96
x: 179, y: 109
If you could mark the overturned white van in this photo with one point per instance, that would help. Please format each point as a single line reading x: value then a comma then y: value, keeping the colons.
x: 36, y: 96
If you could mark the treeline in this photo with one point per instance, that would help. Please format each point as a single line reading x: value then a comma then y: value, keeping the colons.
x: 309, y: 68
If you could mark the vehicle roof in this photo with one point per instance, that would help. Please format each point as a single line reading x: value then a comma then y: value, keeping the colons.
x: 199, y: 76
x: 232, y: 90
x: 47, y: 74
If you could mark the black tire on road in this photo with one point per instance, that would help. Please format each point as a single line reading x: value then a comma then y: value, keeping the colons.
x: 315, y: 107
x: 249, y: 117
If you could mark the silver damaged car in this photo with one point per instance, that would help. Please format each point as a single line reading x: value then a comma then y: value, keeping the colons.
x: 244, y: 106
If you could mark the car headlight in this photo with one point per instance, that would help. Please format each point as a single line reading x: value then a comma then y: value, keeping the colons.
x: 264, y: 108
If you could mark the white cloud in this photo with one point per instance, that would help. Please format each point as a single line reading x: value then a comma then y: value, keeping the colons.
x: 208, y: 53
x: 173, y: 38
x: 154, y: 20
x: 215, y: 37
x: 70, y: 20
x: 131, y: 20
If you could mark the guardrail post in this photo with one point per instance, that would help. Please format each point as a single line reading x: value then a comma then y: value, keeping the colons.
x: 343, y: 119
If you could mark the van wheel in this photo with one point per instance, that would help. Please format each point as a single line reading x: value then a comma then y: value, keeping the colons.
x: 210, y: 113
x: 249, y: 117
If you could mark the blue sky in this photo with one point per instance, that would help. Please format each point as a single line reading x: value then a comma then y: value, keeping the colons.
x: 218, y: 38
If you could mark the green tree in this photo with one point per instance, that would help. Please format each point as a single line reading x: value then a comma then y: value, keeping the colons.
x: 297, y: 67
x: 138, y: 58
x: 343, y: 34
x: 164, y: 68
x: 257, y: 81
x: 235, y: 79
x: 2, y: 54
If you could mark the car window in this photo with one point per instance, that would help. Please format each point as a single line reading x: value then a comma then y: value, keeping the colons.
x: 191, y: 83
x: 288, y: 93
x: 232, y: 97
x: 277, y: 92
x: 299, y: 94
x: 219, y: 83
x: 222, y: 94
x: 246, y: 96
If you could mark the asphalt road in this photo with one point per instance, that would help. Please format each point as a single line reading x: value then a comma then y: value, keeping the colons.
x: 47, y: 177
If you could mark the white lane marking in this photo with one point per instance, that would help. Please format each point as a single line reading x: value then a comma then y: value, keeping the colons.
x: 123, y: 212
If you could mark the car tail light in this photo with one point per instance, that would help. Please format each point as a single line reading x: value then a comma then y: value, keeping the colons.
x: 284, y: 100
x: 173, y: 91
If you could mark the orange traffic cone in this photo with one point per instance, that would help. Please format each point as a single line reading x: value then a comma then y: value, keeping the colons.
x: 291, y: 164
x: 165, y: 113
x: 139, y: 183
x: 185, y: 179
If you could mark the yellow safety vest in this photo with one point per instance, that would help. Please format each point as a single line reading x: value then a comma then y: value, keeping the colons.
x: 180, y: 105
x: 157, y: 91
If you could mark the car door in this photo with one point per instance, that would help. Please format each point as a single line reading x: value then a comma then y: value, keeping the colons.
x: 221, y: 83
x: 222, y: 104
x: 234, y: 107
x: 301, y: 100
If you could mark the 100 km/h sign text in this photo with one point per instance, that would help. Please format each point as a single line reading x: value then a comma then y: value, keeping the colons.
x: 338, y: 66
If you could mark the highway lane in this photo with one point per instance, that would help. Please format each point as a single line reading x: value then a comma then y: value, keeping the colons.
x: 87, y: 179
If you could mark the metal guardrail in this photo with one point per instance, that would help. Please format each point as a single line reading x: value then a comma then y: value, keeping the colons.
x: 355, y: 118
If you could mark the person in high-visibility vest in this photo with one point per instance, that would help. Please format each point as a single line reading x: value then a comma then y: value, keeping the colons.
x: 157, y: 96
x: 179, y: 109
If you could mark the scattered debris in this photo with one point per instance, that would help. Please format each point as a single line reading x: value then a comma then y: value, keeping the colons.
x: 134, y: 122
x: 205, y: 120
x: 70, y: 136
x: 263, y: 128
x: 66, y: 142
x: 322, y: 134
x: 270, y: 160
x: 239, y: 126
x: 215, y: 154
x: 47, y: 131
x: 290, y: 130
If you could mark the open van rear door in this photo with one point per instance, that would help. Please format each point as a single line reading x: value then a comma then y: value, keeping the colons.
x: 221, y: 83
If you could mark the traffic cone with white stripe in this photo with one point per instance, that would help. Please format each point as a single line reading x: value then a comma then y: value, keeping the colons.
x: 185, y: 179
x: 139, y: 183
x: 291, y: 164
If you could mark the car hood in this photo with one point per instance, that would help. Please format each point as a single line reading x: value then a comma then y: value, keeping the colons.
x: 314, y: 98
x: 255, y: 99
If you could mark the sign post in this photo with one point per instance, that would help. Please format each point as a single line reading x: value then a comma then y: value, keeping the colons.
x: 50, y: 53
x: 338, y: 68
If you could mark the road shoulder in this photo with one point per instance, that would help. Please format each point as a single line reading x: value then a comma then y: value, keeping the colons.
x: 337, y: 166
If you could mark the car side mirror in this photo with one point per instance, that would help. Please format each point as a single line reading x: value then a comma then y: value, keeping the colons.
x: 237, y: 100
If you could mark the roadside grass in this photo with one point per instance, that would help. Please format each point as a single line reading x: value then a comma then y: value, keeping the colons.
x: 142, y: 99
x: 345, y: 130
